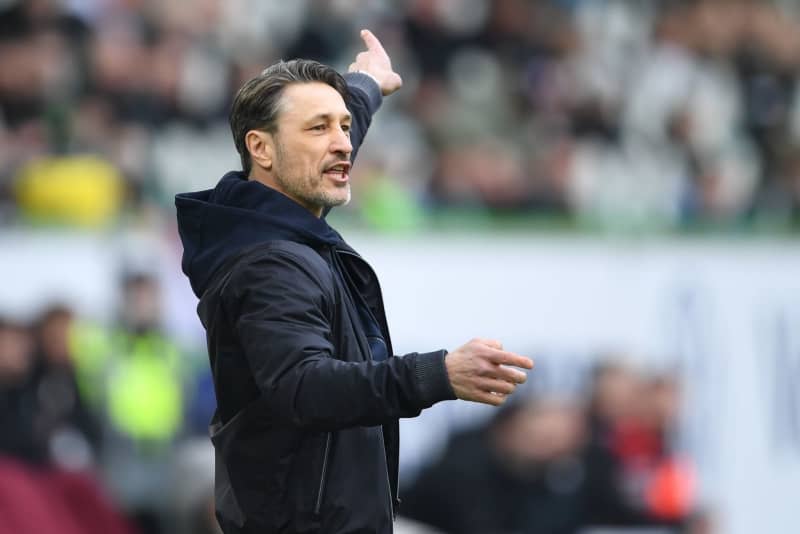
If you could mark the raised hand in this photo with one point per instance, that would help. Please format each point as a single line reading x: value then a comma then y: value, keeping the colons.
x: 479, y: 371
x: 375, y: 62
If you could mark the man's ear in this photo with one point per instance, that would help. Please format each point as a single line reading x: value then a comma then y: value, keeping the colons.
x: 261, y: 147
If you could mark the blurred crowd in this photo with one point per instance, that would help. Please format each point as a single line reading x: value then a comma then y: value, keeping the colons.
x: 104, y: 432
x: 104, y: 425
x: 646, y: 113
x: 561, y: 464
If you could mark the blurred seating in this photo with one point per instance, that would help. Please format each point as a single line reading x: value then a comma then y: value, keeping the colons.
x: 624, y: 114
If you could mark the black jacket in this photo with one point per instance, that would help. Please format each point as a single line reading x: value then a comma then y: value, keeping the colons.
x: 306, y: 429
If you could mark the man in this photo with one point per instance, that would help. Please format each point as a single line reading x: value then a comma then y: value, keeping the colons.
x: 309, y: 394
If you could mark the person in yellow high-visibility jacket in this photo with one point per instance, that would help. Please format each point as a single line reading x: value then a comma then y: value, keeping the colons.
x: 133, y: 374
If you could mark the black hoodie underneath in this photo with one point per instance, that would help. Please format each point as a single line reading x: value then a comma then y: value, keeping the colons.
x: 306, y: 429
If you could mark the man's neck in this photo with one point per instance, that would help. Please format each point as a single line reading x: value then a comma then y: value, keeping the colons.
x: 268, y: 179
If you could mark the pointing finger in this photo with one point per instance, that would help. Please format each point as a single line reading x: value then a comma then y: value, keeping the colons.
x: 372, y: 43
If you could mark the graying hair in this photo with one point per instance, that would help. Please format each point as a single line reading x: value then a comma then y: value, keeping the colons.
x: 257, y: 104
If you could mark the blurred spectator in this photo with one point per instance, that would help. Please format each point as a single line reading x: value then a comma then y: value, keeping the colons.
x: 44, y: 450
x: 780, y: 201
x: 72, y: 432
x: 50, y: 422
x: 548, y: 466
x: 522, y: 473
x: 636, y: 476
x: 135, y: 376
x: 17, y: 394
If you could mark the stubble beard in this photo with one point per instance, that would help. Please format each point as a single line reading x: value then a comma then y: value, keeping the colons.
x: 307, y: 189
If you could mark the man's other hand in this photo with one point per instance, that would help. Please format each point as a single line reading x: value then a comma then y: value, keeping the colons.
x: 375, y: 62
x: 481, y: 371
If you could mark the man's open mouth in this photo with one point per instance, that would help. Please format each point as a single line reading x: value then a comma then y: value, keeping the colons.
x: 339, y: 172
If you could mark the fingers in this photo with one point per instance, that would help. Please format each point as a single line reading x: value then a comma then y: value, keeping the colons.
x: 501, y: 372
x: 508, y: 374
x: 497, y: 386
x: 493, y: 343
x: 495, y: 399
x: 481, y: 371
x: 371, y: 42
x: 501, y: 357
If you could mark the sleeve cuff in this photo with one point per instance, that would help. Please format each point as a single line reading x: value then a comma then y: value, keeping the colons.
x: 432, y: 380
x: 368, y: 85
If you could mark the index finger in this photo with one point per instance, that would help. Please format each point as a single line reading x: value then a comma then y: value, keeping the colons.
x: 502, y: 357
x: 372, y: 43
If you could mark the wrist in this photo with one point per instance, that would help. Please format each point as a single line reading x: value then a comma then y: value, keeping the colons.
x: 364, y: 84
x: 433, y: 378
x: 373, y: 78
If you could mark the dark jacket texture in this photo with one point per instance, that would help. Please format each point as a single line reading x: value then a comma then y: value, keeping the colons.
x: 308, y: 392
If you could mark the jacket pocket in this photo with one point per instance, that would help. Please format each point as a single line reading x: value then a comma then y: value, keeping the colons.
x: 250, y: 460
x: 323, y: 474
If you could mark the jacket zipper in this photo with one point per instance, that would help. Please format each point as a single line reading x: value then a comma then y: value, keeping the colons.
x: 322, y: 477
x: 380, y: 293
x: 389, y: 355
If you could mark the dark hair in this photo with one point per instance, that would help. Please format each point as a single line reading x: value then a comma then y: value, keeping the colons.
x: 55, y: 311
x: 257, y: 104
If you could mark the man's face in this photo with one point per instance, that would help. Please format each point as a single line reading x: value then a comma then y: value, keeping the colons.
x: 312, y: 146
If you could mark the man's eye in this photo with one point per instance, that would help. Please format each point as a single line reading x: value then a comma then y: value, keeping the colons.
x: 346, y: 128
x: 318, y: 127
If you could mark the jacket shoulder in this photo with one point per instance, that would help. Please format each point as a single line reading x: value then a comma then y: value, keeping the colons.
x: 282, y: 258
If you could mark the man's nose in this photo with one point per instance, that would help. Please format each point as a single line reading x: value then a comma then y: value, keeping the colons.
x: 341, y: 142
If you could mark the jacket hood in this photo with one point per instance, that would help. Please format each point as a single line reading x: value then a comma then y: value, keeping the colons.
x: 216, y: 224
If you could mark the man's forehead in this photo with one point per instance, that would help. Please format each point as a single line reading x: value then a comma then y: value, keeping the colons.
x: 306, y: 100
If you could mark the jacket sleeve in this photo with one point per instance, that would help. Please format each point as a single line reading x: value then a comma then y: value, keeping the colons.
x: 280, y: 313
x: 365, y: 99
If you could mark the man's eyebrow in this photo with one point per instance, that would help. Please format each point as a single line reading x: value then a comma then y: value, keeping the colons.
x: 328, y: 116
